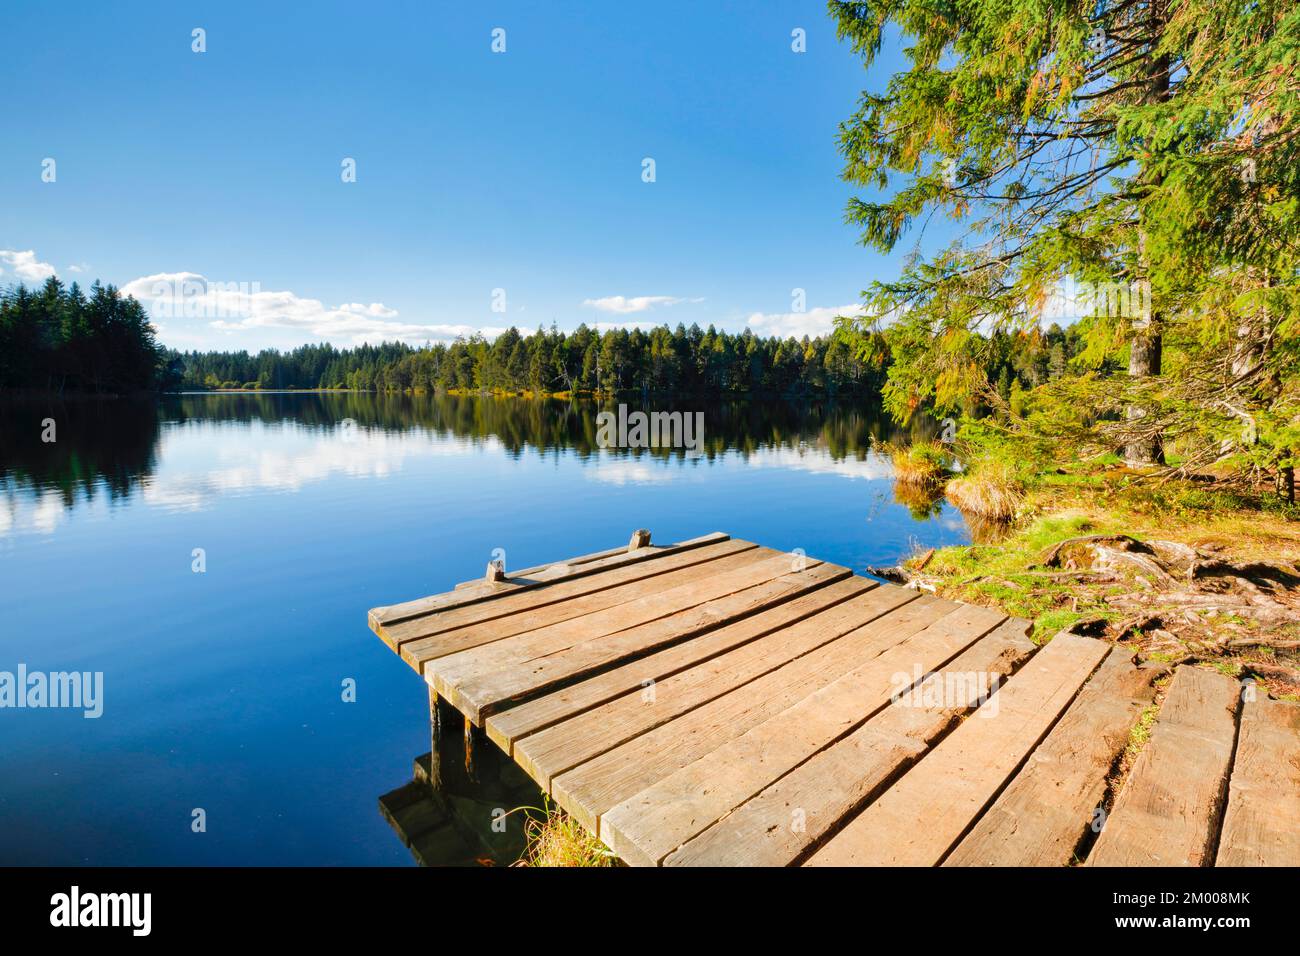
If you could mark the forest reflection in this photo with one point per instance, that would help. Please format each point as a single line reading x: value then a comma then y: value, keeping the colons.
x: 109, y: 446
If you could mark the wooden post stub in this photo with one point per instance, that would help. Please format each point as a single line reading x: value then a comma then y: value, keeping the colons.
x: 495, y: 572
x: 640, y: 539
x: 470, y: 771
x: 435, y: 740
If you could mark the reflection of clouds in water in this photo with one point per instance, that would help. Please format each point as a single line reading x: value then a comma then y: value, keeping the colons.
x: 41, y: 513
x: 627, y: 472
x: 199, y: 465
x: 873, y: 467
x: 311, y: 456
x: 48, y: 513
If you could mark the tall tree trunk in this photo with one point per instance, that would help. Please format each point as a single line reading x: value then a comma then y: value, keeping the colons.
x: 1143, y: 362
x: 1146, y: 346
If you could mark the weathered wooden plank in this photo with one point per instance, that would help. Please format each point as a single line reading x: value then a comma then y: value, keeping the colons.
x: 438, y: 622
x: 1262, y: 823
x: 562, y: 747
x: 919, y: 819
x: 1046, y: 811
x: 539, y: 568
x: 777, y: 826
x: 488, y: 692
x: 539, y: 608
x: 739, y: 572
x: 592, y: 788
x: 646, y: 827
x: 509, y: 725
x: 1168, y: 812
x: 475, y: 669
x: 381, y: 617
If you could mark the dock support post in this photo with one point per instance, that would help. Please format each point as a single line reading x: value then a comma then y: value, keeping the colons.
x: 435, y: 741
x: 640, y: 539
x: 469, y: 751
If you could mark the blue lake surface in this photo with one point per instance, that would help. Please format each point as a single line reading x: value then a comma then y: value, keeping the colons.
x: 223, y: 689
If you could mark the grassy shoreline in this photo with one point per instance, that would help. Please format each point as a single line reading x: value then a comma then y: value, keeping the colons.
x: 1179, y: 571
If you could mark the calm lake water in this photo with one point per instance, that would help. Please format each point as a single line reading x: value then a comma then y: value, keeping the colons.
x: 222, y: 690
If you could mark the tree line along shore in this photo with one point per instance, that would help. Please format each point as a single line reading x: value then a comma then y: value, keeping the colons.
x: 60, y: 339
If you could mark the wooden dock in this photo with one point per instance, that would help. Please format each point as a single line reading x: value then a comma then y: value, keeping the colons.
x: 714, y: 702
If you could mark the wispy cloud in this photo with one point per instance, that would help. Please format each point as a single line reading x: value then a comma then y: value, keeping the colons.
x: 24, y: 266
x: 813, y: 322
x: 235, y: 307
x: 623, y: 305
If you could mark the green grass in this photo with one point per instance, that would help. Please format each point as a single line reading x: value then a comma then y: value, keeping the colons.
x: 1141, y: 732
x: 1003, y: 575
x: 1084, y: 499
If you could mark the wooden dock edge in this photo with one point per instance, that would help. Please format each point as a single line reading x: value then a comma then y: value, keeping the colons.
x: 474, y: 592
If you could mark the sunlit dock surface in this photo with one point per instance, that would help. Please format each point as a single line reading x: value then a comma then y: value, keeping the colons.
x: 715, y: 702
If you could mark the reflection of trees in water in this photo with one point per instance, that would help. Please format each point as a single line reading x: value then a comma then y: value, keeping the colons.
x: 101, y: 445
x: 923, y: 501
x: 986, y: 530
x: 112, y: 442
x: 547, y: 424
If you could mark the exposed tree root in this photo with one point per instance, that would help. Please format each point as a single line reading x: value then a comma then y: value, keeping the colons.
x: 1171, y: 602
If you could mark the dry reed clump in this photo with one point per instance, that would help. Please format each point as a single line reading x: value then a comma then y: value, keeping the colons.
x: 989, y: 490
x: 556, y: 839
x: 924, y: 463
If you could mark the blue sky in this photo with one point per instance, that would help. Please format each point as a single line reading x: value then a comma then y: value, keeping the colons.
x: 475, y: 171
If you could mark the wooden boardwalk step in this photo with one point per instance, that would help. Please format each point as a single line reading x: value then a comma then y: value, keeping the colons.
x: 1169, y: 809
x: 1262, y: 823
x: 776, y: 826
x: 923, y: 816
x: 1047, y: 810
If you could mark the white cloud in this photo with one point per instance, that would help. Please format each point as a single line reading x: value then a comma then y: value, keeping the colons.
x: 813, y: 322
x: 25, y: 266
x: 622, y: 305
x: 376, y: 309
x: 239, y: 307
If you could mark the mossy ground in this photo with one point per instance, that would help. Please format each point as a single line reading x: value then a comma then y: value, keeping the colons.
x: 1108, y: 499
